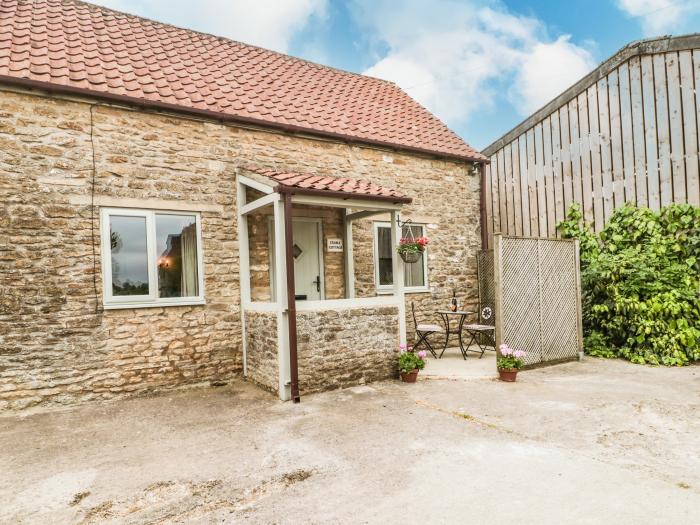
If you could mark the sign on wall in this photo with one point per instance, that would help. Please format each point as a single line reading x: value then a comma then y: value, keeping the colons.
x: 334, y: 245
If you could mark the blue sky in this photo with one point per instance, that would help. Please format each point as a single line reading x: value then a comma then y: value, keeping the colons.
x: 480, y: 65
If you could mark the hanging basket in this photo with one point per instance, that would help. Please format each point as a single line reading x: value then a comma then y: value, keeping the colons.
x: 410, y: 257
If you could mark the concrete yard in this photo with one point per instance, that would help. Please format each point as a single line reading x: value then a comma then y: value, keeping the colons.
x: 586, y: 442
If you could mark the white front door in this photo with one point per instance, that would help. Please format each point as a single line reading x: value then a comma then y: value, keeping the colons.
x: 308, y: 274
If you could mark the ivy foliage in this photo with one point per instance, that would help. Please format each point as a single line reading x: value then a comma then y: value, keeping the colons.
x: 640, y: 283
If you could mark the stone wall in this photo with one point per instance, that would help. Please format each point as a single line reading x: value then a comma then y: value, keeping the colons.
x: 261, y: 339
x: 58, y: 345
x: 344, y: 347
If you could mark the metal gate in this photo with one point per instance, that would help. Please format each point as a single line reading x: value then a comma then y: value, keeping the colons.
x: 537, y: 296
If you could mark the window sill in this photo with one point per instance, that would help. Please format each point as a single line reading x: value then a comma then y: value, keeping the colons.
x: 128, y: 306
x: 390, y: 291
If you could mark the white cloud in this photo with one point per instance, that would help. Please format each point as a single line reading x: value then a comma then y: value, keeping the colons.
x: 456, y: 57
x: 267, y: 23
x: 548, y: 69
x: 658, y: 17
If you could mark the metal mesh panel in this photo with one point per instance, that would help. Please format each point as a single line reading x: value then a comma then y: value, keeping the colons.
x: 487, y: 285
x: 539, y: 298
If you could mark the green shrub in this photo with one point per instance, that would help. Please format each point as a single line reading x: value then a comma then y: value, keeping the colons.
x: 640, y: 283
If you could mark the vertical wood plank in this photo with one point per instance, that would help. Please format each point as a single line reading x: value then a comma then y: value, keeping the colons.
x: 489, y: 206
x: 508, y: 173
x: 605, y: 148
x: 638, y: 144
x: 694, y: 184
x: 496, y: 207
x: 663, y: 132
x: 559, y: 211
x: 652, y: 160
x: 524, y: 197
x: 539, y: 182
x: 616, y: 138
x: 517, y: 205
x: 594, y: 144
x: 690, y: 130
x: 532, y: 181
x: 676, y: 127
x: 548, y: 176
x: 574, y: 149
x: 503, y: 210
x: 566, y: 157
x: 627, y: 140
x: 585, y: 155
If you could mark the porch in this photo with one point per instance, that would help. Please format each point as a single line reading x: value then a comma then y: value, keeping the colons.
x: 305, y: 326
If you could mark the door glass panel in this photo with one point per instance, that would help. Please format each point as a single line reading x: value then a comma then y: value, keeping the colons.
x: 176, y: 250
x: 129, y: 253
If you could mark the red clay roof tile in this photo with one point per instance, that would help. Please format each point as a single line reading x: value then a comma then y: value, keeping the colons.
x: 85, y: 45
x: 352, y: 187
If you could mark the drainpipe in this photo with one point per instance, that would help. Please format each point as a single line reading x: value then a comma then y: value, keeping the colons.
x: 482, y: 207
x: 291, y: 296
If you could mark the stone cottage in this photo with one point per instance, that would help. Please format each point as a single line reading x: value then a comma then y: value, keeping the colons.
x: 178, y: 209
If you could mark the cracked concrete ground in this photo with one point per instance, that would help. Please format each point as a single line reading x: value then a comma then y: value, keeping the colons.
x: 590, y: 442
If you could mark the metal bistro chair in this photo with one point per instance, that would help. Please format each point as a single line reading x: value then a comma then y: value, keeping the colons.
x: 423, y: 331
x: 482, y: 330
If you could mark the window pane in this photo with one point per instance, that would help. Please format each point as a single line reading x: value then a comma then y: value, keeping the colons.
x: 414, y: 274
x: 127, y: 236
x: 384, y: 251
x: 176, y: 249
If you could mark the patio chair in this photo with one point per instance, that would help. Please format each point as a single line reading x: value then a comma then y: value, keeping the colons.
x: 423, y: 331
x: 482, y: 333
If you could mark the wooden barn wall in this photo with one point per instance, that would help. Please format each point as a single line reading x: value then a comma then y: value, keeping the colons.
x: 630, y: 137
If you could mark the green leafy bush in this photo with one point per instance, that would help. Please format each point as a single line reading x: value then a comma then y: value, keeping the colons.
x: 640, y: 283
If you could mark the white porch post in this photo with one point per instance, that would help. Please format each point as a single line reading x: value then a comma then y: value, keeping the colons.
x: 349, y: 258
x: 285, y: 379
x: 243, y: 266
x: 397, y: 266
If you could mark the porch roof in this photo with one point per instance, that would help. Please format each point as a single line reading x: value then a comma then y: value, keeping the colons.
x: 326, y: 185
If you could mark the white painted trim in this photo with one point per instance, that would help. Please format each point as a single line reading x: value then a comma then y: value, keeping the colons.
x: 284, y: 368
x: 260, y: 306
x: 247, y: 181
x: 111, y: 302
x: 363, y: 214
x: 243, y: 267
x: 335, y: 202
x: 259, y: 203
x: 344, y: 304
x: 127, y: 306
x: 397, y: 264
x: 389, y: 288
x: 349, y: 257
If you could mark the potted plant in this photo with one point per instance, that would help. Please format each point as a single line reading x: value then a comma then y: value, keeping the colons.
x: 509, y: 362
x: 410, y: 363
x: 410, y: 249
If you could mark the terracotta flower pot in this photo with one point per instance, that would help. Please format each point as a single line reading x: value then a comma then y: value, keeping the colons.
x: 409, y: 377
x: 507, y: 374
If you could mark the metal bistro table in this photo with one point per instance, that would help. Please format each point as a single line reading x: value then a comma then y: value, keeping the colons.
x: 446, y: 315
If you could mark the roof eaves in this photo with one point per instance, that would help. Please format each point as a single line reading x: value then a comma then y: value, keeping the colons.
x: 50, y: 87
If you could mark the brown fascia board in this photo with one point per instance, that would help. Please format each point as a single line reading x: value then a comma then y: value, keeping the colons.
x: 648, y: 46
x: 51, y: 88
x: 294, y: 190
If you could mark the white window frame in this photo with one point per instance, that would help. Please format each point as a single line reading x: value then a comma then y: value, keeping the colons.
x: 389, y: 288
x: 151, y: 300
